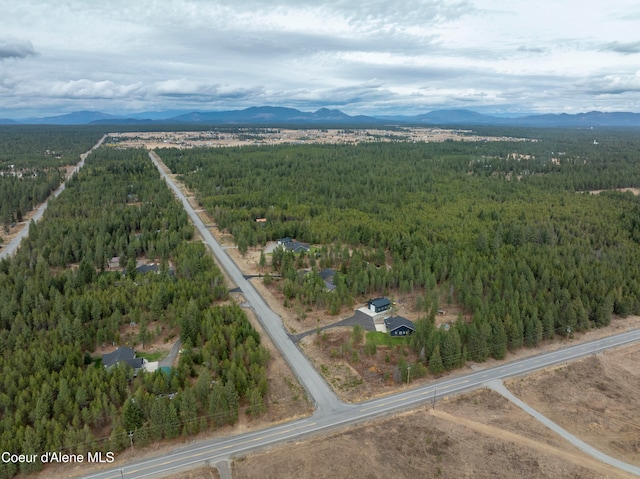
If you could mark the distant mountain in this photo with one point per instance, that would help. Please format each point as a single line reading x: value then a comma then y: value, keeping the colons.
x: 278, y: 116
x: 7, y: 121
x: 272, y: 115
x: 563, y: 120
x: 75, y: 118
x: 583, y: 120
x: 454, y: 117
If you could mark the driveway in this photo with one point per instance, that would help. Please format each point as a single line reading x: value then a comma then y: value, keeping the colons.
x: 358, y: 318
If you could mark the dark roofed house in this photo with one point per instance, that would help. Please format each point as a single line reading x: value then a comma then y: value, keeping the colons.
x: 297, y: 247
x: 399, y: 326
x: 293, y: 245
x: 148, y: 268
x: 327, y: 276
x: 123, y: 355
x: 379, y: 304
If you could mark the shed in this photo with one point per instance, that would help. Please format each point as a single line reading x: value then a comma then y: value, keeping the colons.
x: 379, y: 304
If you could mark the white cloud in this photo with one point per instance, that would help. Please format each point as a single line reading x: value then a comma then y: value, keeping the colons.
x: 361, y: 56
x: 88, y: 89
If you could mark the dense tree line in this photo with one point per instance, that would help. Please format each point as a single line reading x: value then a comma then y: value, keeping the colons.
x: 31, y: 162
x: 22, y: 190
x: 59, y: 302
x: 511, y: 238
x: 39, y: 146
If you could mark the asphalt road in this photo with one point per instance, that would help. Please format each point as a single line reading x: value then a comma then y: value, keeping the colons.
x: 320, y: 393
x: 331, y: 413
x: 12, y: 246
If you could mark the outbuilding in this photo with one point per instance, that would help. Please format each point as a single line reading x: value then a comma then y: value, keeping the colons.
x: 379, y: 304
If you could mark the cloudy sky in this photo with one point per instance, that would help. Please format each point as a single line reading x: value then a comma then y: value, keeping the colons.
x: 363, y: 57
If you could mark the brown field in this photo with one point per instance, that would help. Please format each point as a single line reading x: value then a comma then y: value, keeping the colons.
x: 278, y: 136
x: 481, y: 434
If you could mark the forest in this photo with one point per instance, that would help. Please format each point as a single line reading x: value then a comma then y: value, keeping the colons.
x: 32, y: 159
x: 505, y: 230
x: 60, y: 302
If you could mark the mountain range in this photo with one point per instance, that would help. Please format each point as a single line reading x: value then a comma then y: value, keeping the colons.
x: 268, y: 115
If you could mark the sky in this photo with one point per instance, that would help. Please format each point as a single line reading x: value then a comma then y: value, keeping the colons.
x: 368, y: 57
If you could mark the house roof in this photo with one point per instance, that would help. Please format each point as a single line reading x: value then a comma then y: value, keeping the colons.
x: 284, y: 240
x: 396, y: 322
x: 120, y: 354
x: 296, y: 246
x: 147, y: 268
x: 135, y: 363
x: 327, y: 273
x: 380, y: 302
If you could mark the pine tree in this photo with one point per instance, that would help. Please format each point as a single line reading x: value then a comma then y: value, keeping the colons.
x: 435, y: 361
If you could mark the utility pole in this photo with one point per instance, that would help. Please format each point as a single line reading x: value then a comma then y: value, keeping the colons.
x: 131, y: 438
x: 435, y: 391
x: 408, y: 373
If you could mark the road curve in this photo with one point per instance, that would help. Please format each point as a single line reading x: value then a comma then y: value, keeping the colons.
x: 13, y: 245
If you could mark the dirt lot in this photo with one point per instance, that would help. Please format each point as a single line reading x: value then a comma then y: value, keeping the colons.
x: 596, y: 399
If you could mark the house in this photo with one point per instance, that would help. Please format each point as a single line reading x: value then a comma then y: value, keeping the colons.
x: 379, y: 304
x: 399, y: 326
x: 148, y: 268
x: 123, y: 355
x: 293, y: 245
x: 327, y: 276
x: 114, y: 262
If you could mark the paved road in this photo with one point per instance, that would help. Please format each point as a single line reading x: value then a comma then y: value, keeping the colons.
x: 13, y: 245
x: 331, y: 413
x: 320, y: 393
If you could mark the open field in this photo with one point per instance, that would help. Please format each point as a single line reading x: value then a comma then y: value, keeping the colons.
x: 278, y: 136
x: 480, y: 434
